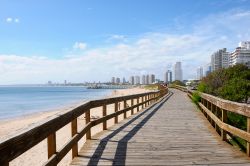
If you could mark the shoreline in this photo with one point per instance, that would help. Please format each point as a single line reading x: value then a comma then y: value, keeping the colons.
x: 38, y: 154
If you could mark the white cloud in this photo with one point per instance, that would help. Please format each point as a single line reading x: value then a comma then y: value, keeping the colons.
x: 80, y: 45
x: 9, y: 19
x: 117, y: 38
x: 149, y: 53
x: 16, y: 20
x: 12, y: 20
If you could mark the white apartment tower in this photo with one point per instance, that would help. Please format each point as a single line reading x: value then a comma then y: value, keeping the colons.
x: 151, y: 78
x: 220, y: 59
x: 178, y: 71
x: 241, y: 55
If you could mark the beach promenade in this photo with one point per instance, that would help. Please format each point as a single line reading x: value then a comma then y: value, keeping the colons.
x: 172, y: 132
x: 161, y: 127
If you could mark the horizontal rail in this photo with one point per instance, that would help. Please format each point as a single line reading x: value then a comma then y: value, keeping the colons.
x: 216, y: 110
x: 20, y: 143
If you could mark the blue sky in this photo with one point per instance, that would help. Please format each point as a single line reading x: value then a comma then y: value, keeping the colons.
x: 94, y: 40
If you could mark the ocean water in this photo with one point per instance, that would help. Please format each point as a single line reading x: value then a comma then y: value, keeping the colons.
x: 16, y: 101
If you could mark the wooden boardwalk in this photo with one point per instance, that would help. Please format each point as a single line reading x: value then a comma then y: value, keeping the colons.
x: 172, y: 132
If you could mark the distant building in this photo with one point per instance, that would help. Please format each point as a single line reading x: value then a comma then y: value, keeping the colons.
x: 118, y: 81
x: 199, y: 73
x: 124, y: 80
x: 225, y: 60
x: 65, y: 82
x: 137, y: 80
x: 241, y: 55
x: 143, y: 80
x: 151, y: 78
x: 132, y: 80
x: 168, y: 77
x: 178, y: 71
x: 49, y: 82
x: 220, y: 59
x: 113, y: 80
x: 147, y: 79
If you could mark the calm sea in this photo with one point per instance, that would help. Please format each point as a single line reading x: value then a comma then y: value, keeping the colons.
x: 18, y: 101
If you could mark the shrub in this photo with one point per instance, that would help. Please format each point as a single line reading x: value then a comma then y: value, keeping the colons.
x: 196, y: 98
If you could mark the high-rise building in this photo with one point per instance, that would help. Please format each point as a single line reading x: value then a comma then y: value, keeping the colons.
x: 117, y: 80
x: 241, y: 55
x: 124, y: 80
x: 245, y: 44
x: 199, y: 73
x: 225, y: 59
x: 143, y: 80
x: 220, y: 59
x: 147, y: 79
x: 151, y: 78
x: 113, y: 80
x: 137, y: 80
x: 168, y: 77
x: 132, y: 80
x: 178, y: 71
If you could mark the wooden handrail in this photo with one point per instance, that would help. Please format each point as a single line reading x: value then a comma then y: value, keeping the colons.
x: 20, y: 143
x: 215, y: 109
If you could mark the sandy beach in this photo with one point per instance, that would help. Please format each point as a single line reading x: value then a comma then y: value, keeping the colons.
x: 38, y: 154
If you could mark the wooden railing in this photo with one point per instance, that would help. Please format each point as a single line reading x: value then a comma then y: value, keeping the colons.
x: 18, y: 144
x: 216, y: 110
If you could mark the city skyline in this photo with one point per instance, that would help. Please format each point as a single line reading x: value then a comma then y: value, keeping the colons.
x: 222, y: 58
x: 37, y: 46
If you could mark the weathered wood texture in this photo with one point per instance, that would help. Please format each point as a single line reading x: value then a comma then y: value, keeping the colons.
x: 170, y: 133
x: 218, y: 118
x: 18, y: 144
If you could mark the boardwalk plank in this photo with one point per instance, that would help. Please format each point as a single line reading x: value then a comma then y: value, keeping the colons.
x: 174, y: 134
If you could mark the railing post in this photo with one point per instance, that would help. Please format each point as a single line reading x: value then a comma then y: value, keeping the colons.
x: 132, y: 103
x: 116, y: 109
x: 216, y: 114
x: 138, y: 101
x: 224, y: 119
x: 51, y: 143
x: 212, y: 110
x: 73, y: 132
x: 146, y: 103
x: 104, y: 113
x: 248, y: 130
x: 87, y: 118
x: 148, y: 98
x: 142, y: 99
x: 125, y: 106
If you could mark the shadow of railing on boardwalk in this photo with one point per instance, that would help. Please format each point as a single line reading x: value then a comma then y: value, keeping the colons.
x: 120, y: 155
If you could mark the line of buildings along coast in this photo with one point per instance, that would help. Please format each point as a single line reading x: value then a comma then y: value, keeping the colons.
x: 150, y: 78
x: 224, y: 59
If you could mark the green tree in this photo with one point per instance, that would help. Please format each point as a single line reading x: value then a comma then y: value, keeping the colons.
x: 231, y: 84
x: 177, y: 82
